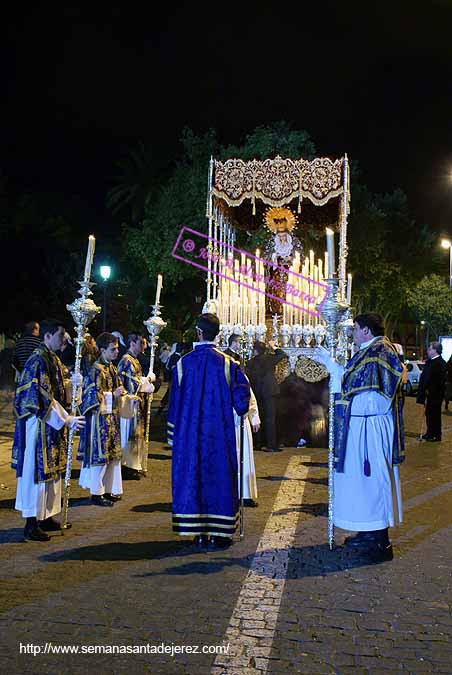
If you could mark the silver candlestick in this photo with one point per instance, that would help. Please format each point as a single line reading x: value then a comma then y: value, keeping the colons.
x: 154, y: 325
x: 332, y: 312
x: 83, y: 311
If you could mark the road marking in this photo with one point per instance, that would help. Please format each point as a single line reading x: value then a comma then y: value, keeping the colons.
x: 253, y: 622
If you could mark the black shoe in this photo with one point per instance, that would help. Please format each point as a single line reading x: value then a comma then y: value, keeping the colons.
x: 425, y: 437
x: 381, y: 553
x: 219, y: 542
x: 360, y: 539
x: 112, y: 498
x: 250, y: 502
x: 52, y: 525
x: 34, y: 533
x: 200, y: 541
x: 130, y: 474
x: 100, y: 500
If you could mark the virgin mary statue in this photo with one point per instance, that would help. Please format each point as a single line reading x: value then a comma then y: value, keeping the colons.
x: 279, y: 250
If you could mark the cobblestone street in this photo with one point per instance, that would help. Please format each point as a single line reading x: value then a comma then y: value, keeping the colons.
x: 280, y: 600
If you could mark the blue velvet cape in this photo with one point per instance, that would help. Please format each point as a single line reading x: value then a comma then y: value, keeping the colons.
x: 100, y: 439
x: 206, y: 386
x: 41, y: 381
x: 375, y: 368
x: 130, y: 372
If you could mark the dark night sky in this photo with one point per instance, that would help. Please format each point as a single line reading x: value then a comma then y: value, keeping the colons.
x: 373, y: 79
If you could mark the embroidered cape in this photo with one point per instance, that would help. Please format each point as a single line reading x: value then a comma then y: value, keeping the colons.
x: 375, y: 368
x: 41, y: 381
x: 100, y: 437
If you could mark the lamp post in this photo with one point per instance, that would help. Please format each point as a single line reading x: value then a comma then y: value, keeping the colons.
x: 427, y: 341
x: 105, y: 272
x: 445, y: 243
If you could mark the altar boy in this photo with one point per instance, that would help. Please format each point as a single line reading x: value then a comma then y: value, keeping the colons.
x: 100, y: 444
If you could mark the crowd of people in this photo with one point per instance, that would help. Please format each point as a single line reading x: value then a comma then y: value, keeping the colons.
x: 219, y: 410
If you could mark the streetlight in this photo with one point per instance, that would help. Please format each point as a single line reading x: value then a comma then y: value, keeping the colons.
x: 105, y: 271
x: 445, y: 243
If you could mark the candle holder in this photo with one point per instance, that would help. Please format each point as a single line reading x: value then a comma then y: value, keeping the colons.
x: 297, y: 335
x: 345, y: 338
x: 250, y: 332
x: 238, y: 329
x: 319, y: 334
x: 284, y: 331
x: 261, y: 331
x: 308, y: 333
x: 155, y: 324
x: 226, y: 332
x: 332, y: 311
x: 83, y: 311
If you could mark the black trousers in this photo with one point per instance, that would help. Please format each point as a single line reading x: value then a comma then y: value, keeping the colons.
x: 433, y: 417
x: 267, y: 412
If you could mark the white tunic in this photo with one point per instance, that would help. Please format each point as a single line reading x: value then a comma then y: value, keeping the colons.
x: 249, y: 470
x: 133, y: 449
x: 99, y: 479
x: 366, y: 503
x: 39, y: 500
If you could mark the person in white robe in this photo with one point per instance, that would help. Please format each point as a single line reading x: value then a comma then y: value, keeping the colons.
x: 368, y: 439
x: 40, y: 441
x: 137, y: 385
x: 251, y: 422
x: 100, y: 446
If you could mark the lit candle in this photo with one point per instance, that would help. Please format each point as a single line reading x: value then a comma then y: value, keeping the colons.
x: 159, y: 288
x: 331, y: 252
x: 349, y: 289
x: 89, y: 257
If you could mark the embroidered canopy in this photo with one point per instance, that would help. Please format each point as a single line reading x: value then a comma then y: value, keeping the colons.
x: 279, y: 181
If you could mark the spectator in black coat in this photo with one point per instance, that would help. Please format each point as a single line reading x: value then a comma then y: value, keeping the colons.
x: 261, y: 372
x: 431, y: 390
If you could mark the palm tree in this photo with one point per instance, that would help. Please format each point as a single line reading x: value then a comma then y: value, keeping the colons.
x: 134, y: 182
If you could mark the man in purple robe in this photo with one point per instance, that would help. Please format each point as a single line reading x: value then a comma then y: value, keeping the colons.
x: 207, y: 387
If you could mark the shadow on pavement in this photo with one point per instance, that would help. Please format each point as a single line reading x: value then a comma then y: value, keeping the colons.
x: 316, y: 481
x: 164, y: 507
x: 7, y: 503
x: 319, y: 509
x: 74, y: 502
x: 277, y: 478
x: 306, y: 561
x: 156, y: 456
x: 115, y: 551
x: 12, y: 536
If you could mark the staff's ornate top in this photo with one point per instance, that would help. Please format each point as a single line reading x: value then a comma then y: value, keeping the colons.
x: 278, y: 181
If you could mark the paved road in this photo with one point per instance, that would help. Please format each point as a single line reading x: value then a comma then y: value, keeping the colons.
x: 279, y: 601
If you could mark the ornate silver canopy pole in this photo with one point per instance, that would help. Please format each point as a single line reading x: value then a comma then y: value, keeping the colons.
x: 83, y: 311
x: 154, y: 325
x: 332, y: 311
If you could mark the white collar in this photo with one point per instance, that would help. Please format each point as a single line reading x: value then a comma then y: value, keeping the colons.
x: 435, y: 357
x: 363, y: 345
x: 206, y: 342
